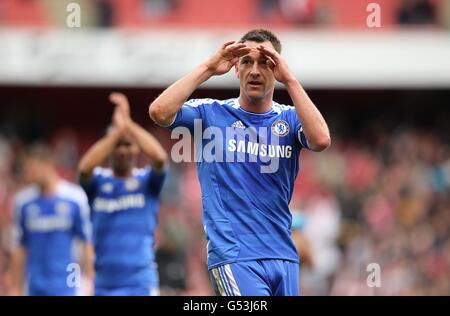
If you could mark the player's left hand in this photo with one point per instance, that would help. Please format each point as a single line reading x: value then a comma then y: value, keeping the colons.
x: 120, y: 100
x: 121, y: 116
x: 119, y: 119
x: 277, y: 64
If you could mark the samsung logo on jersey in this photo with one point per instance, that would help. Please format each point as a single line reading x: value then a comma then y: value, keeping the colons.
x: 121, y: 204
x: 257, y: 149
x: 48, y: 223
x: 235, y: 143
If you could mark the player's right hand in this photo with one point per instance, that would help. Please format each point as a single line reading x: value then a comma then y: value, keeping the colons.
x: 226, y: 57
x: 120, y: 99
x: 121, y: 116
x: 119, y: 119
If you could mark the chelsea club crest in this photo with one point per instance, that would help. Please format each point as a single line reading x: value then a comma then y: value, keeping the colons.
x: 280, y: 128
x: 131, y: 184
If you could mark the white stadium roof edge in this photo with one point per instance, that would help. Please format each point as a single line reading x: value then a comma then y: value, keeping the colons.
x: 320, y: 59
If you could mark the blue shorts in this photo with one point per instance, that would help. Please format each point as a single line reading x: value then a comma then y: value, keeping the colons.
x: 127, y: 291
x: 148, y: 285
x: 50, y: 292
x: 266, y: 277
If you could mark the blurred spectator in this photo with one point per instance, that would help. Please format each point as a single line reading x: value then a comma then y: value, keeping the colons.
x: 291, y: 11
x: 65, y: 148
x: 322, y: 230
x: 104, y: 13
x: 267, y: 8
x: 417, y: 12
x: 171, y: 256
x: 156, y: 9
x: 6, y: 191
x: 445, y: 14
x: 302, y: 243
x: 298, y: 11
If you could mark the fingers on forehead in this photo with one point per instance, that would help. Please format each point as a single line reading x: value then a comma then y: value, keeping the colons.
x: 242, y: 49
x: 241, y: 53
x: 228, y: 43
x: 266, y: 50
x: 256, y: 53
x: 237, y: 47
x: 271, y: 61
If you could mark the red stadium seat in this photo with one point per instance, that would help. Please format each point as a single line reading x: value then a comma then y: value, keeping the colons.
x: 24, y: 13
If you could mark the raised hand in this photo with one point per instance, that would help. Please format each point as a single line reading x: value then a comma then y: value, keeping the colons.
x: 277, y: 64
x: 118, y: 119
x: 121, y: 116
x: 226, y: 57
x: 120, y: 100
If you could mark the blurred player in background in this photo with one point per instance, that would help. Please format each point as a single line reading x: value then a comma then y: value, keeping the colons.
x: 300, y: 240
x: 124, y: 202
x: 48, y: 214
x: 245, y: 212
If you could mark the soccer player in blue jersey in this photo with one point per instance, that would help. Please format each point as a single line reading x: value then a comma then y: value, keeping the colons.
x: 124, y: 204
x: 48, y: 215
x: 245, y: 207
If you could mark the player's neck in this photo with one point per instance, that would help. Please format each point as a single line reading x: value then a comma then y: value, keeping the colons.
x: 50, y: 185
x: 122, y: 173
x: 256, y: 105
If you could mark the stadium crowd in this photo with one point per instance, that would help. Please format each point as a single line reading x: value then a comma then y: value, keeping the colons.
x: 290, y: 13
x: 383, y: 200
x: 388, y: 204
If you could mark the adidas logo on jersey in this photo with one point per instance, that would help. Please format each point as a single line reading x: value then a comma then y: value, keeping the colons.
x: 238, y: 124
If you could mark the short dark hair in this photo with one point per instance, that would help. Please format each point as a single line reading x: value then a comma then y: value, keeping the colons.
x: 40, y: 152
x: 262, y: 35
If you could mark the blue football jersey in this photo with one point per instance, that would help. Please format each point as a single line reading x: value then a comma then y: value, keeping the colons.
x: 46, y: 227
x: 124, y: 218
x: 246, y: 175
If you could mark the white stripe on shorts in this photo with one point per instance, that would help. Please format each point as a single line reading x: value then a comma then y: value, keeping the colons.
x: 232, y: 280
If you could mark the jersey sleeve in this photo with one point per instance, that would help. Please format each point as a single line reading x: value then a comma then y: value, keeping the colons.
x: 82, y: 228
x: 299, y: 135
x: 190, y: 111
x: 155, y: 181
x: 90, y: 185
x: 19, y: 232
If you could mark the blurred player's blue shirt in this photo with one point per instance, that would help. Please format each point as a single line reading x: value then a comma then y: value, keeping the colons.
x: 124, y: 218
x: 46, y: 227
x: 245, y: 209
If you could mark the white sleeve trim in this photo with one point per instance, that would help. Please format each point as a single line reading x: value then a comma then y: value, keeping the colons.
x: 299, y: 136
x: 171, y: 123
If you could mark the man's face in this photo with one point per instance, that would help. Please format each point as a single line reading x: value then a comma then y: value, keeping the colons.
x: 255, y: 75
x: 124, y: 154
x: 35, y: 170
